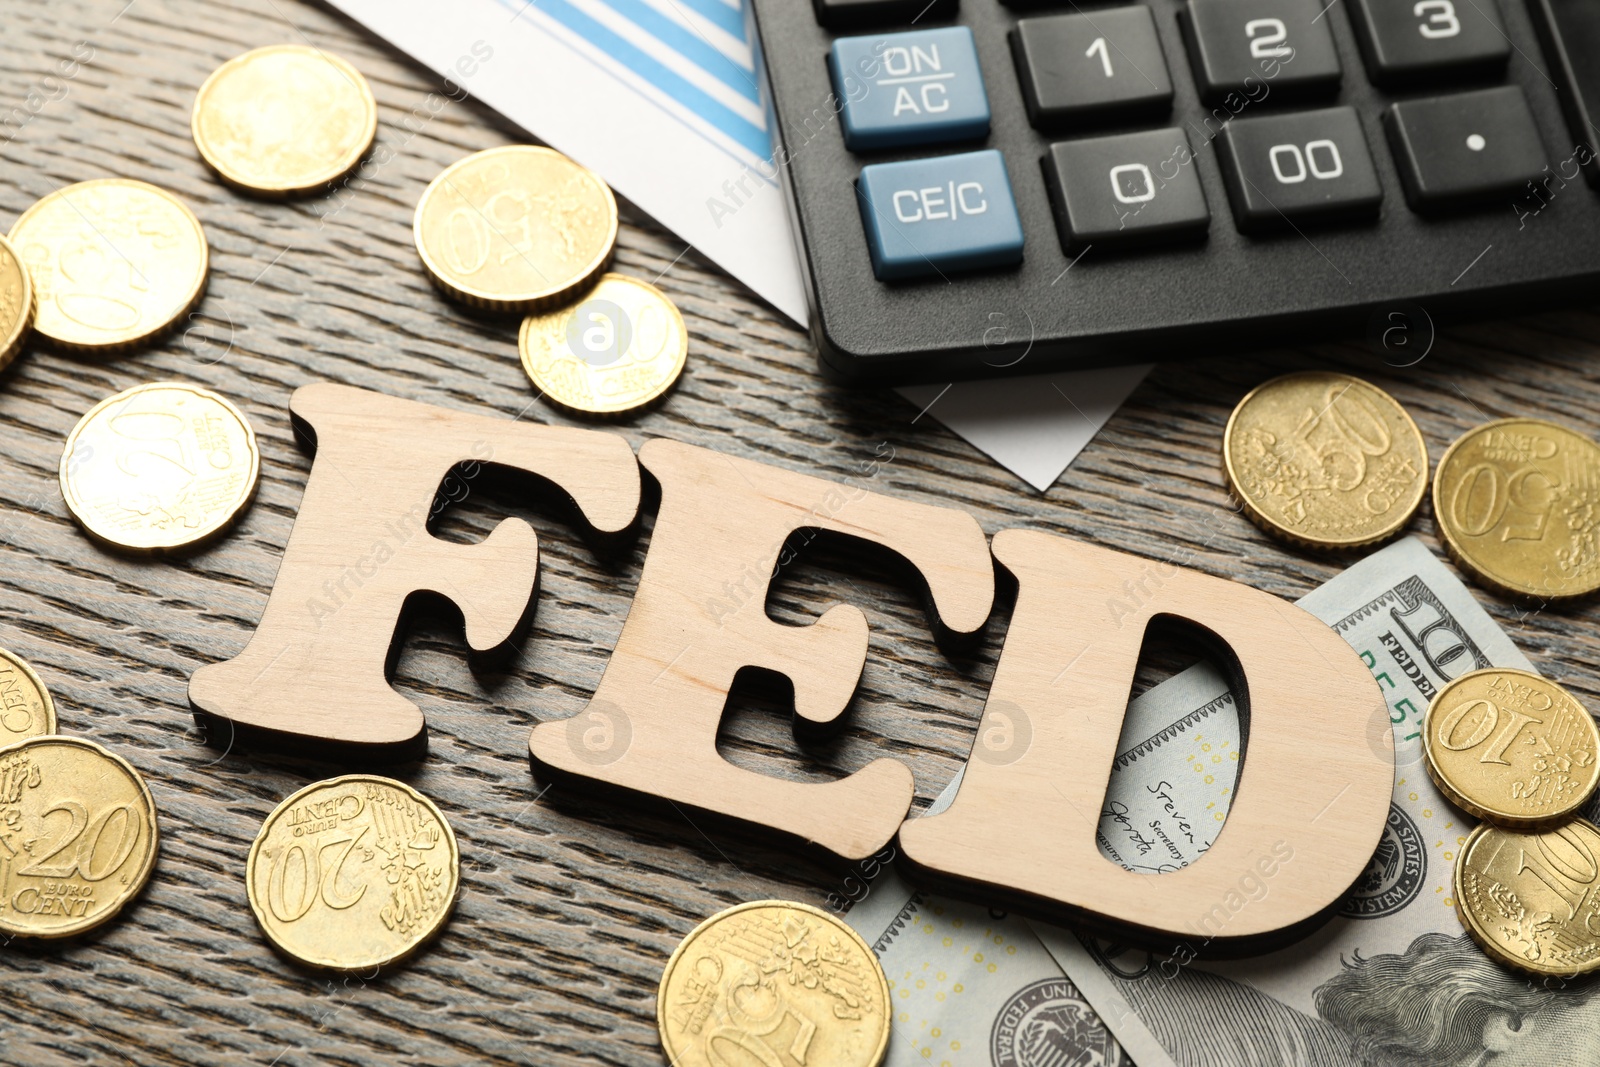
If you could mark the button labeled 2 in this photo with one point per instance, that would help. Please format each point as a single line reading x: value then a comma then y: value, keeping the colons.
x: 929, y: 216
x: 1264, y: 50
x: 903, y: 89
x: 1282, y: 169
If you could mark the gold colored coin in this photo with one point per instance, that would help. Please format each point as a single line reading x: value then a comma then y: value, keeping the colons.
x: 16, y: 303
x: 114, y: 262
x: 1511, y: 747
x: 617, y: 350
x: 78, y: 836
x: 1325, y: 460
x: 26, y: 709
x: 1530, y: 898
x: 159, y: 467
x: 1518, y: 504
x: 757, y: 982
x: 515, y: 228
x: 284, y: 119
x: 354, y: 873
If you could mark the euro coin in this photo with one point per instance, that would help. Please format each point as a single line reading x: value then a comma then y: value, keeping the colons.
x: 78, y: 836
x: 1529, y: 898
x: 114, y: 263
x: 773, y: 981
x: 159, y: 467
x: 26, y: 709
x: 1518, y: 505
x: 1511, y: 747
x: 1324, y: 460
x: 617, y: 350
x: 284, y: 119
x: 16, y: 304
x: 515, y: 228
x: 354, y: 873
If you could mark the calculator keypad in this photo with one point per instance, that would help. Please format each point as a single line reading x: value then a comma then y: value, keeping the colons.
x: 1265, y: 51
x: 1126, y: 189
x: 1464, y: 148
x: 1283, y: 170
x: 934, y: 216
x: 1095, y: 67
x: 1407, y: 41
x: 902, y: 89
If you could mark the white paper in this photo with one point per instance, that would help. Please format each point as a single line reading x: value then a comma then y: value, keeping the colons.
x: 1033, y: 426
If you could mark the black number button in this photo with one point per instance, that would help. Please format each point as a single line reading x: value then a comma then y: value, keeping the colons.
x: 1103, y: 65
x: 1464, y: 148
x: 1310, y: 165
x: 1129, y: 189
x: 1238, y: 46
x: 847, y: 14
x: 1405, y: 41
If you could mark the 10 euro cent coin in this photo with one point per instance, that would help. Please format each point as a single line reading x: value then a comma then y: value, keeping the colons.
x: 1511, y: 747
x: 1325, y: 460
x: 618, y: 350
x: 78, y: 836
x: 354, y: 873
x: 773, y: 981
x: 1530, y: 898
x: 26, y: 709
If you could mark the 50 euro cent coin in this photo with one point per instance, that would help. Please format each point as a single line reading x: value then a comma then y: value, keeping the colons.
x: 618, y: 350
x: 516, y: 228
x: 17, y: 304
x: 1511, y: 747
x: 354, y: 873
x: 114, y: 263
x: 773, y: 981
x: 78, y: 836
x: 1518, y: 505
x: 1325, y: 460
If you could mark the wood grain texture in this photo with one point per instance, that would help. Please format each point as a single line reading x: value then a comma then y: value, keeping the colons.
x: 570, y: 905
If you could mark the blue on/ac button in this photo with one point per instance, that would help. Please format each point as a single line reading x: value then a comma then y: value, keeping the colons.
x: 929, y: 216
x: 900, y: 89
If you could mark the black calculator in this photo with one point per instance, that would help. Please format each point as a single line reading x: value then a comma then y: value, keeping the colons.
x: 981, y: 188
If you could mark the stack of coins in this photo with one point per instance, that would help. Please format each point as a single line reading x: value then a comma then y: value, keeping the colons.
x: 78, y: 832
x: 525, y: 229
x: 1521, y: 753
x: 734, y: 979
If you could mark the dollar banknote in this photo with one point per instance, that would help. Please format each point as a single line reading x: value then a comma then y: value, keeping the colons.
x: 1393, y: 979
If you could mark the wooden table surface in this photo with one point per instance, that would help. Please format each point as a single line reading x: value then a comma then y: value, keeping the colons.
x: 569, y: 906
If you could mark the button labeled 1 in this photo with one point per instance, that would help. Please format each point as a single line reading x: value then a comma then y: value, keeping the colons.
x: 902, y: 89
x: 929, y: 216
x: 1281, y: 169
x: 1105, y: 65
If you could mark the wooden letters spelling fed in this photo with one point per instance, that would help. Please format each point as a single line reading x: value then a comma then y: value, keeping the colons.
x: 316, y: 671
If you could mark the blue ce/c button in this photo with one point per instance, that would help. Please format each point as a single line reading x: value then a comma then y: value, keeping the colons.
x: 900, y: 89
x: 929, y: 216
